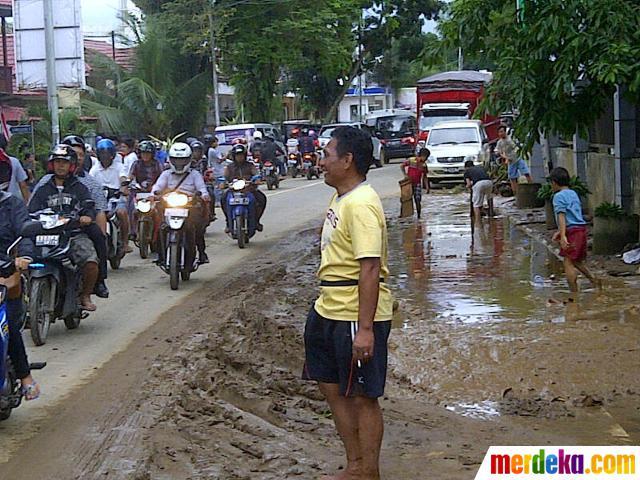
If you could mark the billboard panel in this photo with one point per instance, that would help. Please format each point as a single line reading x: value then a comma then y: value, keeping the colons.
x: 31, y: 72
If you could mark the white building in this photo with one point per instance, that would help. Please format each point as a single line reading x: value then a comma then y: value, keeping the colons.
x: 373, y: 98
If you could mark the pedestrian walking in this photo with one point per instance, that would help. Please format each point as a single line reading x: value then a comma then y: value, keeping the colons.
x: 572, y: 230
x: 481, y: 186
x: 508, y: 152
x: 416, y: 170
x: 348, y: 327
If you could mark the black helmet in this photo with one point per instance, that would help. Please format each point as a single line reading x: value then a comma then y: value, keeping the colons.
x: 147, y: 146
x: 238, y: 149
x: 63, y: 152
x: 208, y: 138
x: 197, y: 144
x: 74, y: 141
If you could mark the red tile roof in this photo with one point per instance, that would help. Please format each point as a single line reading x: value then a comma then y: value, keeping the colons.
x: 124, y: 56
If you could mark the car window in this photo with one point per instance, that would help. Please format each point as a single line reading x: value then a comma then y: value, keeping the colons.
x: 399, y: 124
x: 227, y: 137
x: 327, y: 131
x: 453, y: 136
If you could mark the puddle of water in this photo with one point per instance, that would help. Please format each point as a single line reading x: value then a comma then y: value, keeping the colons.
x: 477, y: 318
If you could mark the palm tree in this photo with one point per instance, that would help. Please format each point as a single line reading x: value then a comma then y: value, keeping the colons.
x: 165, y: 92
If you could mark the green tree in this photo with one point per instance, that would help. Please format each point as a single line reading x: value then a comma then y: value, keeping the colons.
x: 540, y: 57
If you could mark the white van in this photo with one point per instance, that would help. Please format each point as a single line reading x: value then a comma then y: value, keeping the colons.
x: 228, y: 133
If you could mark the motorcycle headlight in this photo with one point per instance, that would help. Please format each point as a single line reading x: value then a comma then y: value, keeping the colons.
x: 432, y: 159
x: 175, y: 199
x: 143, y: 206
x: 239, y: 185
x: 473, y: 158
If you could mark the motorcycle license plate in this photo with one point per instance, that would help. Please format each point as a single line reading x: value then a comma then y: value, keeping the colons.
x: 47, y: 240
x: 239, y: 201
x: 176, y: 212
x: 307, y: 164
x: 293, y: 162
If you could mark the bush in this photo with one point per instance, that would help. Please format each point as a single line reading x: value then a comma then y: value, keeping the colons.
x: 610, y: 210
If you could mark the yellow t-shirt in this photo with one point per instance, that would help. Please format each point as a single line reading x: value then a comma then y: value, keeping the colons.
x: 354, y: 229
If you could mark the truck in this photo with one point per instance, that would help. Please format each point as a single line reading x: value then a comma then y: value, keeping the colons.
x: 452, y: 96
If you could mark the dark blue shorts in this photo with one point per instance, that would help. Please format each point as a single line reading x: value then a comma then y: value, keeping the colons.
x: 329, y: 356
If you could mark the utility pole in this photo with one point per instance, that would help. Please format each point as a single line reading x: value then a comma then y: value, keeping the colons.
x: 214, y: 62
x: 360, y: 102
x: 52, y: 83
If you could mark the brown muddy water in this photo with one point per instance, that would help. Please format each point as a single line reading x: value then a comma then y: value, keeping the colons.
x: 484, y: 331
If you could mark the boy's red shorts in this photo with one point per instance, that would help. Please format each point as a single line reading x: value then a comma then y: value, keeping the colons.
x: 577, y: 238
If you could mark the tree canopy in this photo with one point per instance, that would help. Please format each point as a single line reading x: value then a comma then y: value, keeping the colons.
x: 558, y: 65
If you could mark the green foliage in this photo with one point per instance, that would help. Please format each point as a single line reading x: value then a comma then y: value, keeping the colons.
x: 575, y: 184
x: 538, y: 62
x: 165, y: 93
x: 609, y: 210
x: 545, y: 192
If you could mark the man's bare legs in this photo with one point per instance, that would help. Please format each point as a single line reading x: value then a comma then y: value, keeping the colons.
x: 571, y: 273
x: 347, y: 425
x: 582, y: 267
x: 514, y: 185
x: 360, y: 426
x: 477, y: 214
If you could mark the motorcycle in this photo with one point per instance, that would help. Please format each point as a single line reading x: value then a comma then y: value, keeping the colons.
x: 177, y: 240
x: 310, y: 165
x: 114, y: 237
x: 293, y: 164
x: 241, y: 211
x: 10, y: 388
x: 144, y: 205
x: 54, y: 282
x: 270, y: 175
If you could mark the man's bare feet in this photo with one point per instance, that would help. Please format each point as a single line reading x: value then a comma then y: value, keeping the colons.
x: 350, y: 473
x: 86, y: 304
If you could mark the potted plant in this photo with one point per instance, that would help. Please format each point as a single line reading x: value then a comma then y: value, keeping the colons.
x: 546, y: 193
x: 613, y: 229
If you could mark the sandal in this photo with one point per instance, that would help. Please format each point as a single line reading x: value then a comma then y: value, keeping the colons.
x: 31, y: 391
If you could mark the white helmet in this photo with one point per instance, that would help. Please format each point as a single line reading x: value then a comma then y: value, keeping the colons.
x: 180, y: 158
x: 257, y: 135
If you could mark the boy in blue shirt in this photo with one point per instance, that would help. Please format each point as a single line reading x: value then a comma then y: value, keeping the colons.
x: 572, y: 229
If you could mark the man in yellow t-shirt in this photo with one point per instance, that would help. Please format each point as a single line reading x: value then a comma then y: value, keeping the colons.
x: 348, y: 328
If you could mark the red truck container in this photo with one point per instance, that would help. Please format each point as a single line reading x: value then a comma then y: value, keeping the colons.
x: 451, y: 96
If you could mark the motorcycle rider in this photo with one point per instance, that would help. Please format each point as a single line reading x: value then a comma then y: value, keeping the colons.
x: 255, y: 149
x: 96, y: 231
x: 213, y: 154
x: 240, y: 168
x: 110, y: 174
x: 127, y: 148
x: 13, y: 214
x: 63, y: 162
x: 144, y: 172
x: 271, y: 152
x: 198, y: 159
x: 181, y: 177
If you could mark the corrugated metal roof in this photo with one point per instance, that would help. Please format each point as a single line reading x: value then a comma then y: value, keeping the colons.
x: 458, y: 76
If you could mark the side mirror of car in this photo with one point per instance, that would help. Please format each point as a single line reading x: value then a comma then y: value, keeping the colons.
x: 485, y: 141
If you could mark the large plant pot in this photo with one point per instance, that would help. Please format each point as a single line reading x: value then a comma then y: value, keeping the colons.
x: 527, y: 196
x: 550, y: 217
x: 611, y: 235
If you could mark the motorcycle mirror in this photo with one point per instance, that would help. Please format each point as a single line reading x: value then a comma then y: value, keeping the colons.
x: 13, y: 245
x: 31, y: 229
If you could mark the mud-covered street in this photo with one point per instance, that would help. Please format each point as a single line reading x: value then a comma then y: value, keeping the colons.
x: 483, y: 353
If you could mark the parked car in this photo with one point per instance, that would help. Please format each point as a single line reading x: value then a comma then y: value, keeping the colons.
x: 451, y: 145
x: 228, y: 133
x: 327, y: 130
x: 396, y: 130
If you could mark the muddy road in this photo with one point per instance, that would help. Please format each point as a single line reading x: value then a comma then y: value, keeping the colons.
x: 479, y: 357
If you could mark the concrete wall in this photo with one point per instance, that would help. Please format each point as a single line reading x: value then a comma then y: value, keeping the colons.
x: 600, y: 176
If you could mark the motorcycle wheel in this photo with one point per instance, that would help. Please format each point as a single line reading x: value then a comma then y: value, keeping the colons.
x: 5, y: 413
x: 309, y: 174
x: 72, y: 322
x: 269, y: 183
x: 174, y: 274
x: 39, y: 317
x: 240, y: 231
x: 295, y: 172
x: 143, y: 244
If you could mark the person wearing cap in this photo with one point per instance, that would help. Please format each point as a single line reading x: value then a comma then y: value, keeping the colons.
x: 13, y: 215
x: 238, y: 169
x: 65, y: 194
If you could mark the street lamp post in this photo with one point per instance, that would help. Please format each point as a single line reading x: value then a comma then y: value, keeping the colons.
x: 52, y: 83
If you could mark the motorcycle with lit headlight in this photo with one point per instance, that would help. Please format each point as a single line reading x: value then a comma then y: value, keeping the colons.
x: 54, y: 282
x: 241, y: 208
x: 270, y: 175
x: 10, y: 391
x: 144, y: 204
x: 177, y: 237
